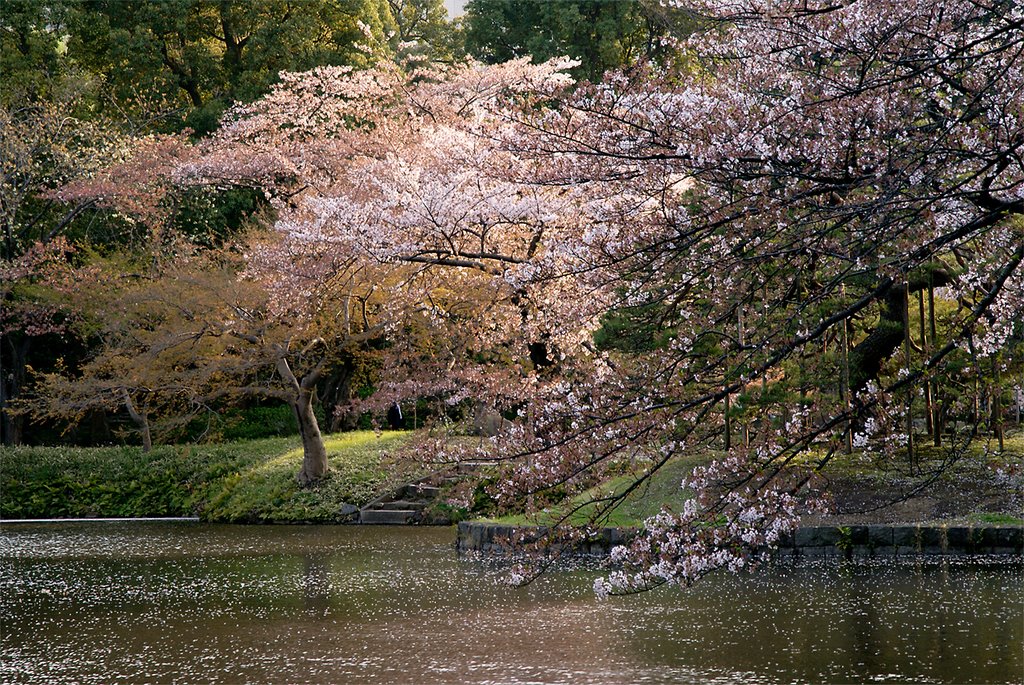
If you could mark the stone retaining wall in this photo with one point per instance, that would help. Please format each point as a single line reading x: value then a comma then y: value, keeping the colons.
x: 816, y: 541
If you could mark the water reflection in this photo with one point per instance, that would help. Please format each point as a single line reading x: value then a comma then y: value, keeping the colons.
x: 97, y: 603
x: 316, y: 584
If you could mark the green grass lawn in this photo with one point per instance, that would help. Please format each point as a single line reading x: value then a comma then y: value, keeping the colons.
x: 246, y: 481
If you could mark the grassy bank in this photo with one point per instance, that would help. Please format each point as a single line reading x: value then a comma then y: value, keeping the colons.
x: 984, y: 487
x: 662, y: 489
x: 250, y: 481
x: 254, y: 481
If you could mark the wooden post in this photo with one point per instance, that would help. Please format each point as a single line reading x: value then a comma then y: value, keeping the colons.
x: 906, y: 361
x: 933, y: 386
x: 1018, y: 394
x: 802, y: 382
x: 743, y: 387
x: 844, y: 376
x: 927, y: 355
x: 728, y: 424
x: 997, y: 404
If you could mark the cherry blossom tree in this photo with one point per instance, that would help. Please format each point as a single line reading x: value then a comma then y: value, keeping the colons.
x: 766, y: 212
x: 311, y: 306
x: 817, y: 168
x: 391, y: 168
x: 837, y: 159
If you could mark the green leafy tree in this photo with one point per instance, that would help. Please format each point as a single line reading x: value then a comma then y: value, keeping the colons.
x: 422, y: 30
x: 602, y: 34
x: 192, y: 58
x: 32, y: 48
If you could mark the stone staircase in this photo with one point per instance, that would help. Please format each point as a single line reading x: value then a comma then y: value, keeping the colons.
x: 410, y: 504
x: 406, y: 506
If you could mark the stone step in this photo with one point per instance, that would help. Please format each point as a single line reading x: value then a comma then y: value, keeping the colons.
x: 471, y: 466
x: 399, y: 505
x: 416, y: 490
x: 388, y: 517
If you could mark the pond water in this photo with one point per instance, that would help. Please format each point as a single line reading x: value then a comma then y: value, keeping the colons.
x: 195, y: 603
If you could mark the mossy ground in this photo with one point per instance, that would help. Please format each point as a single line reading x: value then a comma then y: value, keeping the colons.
x: 248, y: 481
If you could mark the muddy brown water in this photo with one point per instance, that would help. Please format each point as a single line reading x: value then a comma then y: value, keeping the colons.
x: 194, y: 603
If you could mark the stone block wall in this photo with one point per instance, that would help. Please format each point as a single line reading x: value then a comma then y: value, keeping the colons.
x: 492, y: 539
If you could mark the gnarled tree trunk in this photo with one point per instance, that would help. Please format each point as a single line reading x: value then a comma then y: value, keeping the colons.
x: 314, y: 453
x: 867, y: 357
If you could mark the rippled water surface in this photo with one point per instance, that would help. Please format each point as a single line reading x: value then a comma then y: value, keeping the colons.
x: 194, y: 603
